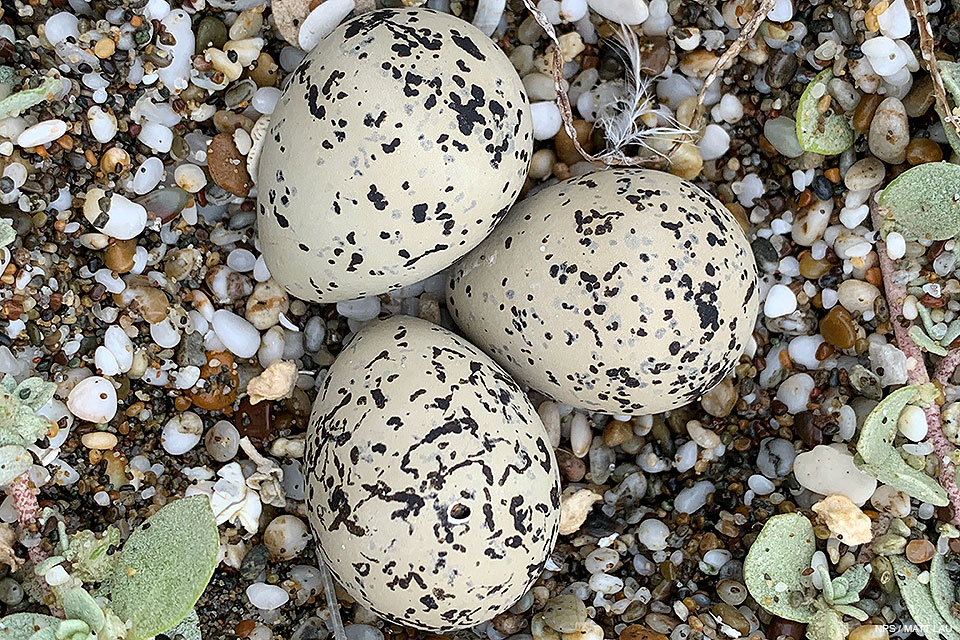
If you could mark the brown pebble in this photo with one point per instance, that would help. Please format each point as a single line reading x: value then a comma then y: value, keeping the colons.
x: 863, y: 114
x: 824, y: 351
x: 923, y: 150
x: 811, y: 268
x: 920, y: 551
x: 571, y: 467
x: 244, y: 628
x: 805, y: 198
x: 870, y: 632
x: 782, y: 628
x: 265, y: 73
x: 119, y: 255
x: 228, y: 167
x: 833, y: 175
x: 104, y: 48
x: 838, y: 328
x: 616, y: 433
x: 220, y: 373
x: 254, y: 420
x: 640, y: 632
x: 874, y: 276
x: 563, y: 143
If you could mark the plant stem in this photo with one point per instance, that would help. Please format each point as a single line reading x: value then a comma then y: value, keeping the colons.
x: 25, y: 502
x: 918, y: 374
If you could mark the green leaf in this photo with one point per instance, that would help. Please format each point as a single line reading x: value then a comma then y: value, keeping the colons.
x: 73, y: 630
x: 14, y: 461
x: 875, y: 444
x: 826, y: 625
x: 23, y: 100
x: 924, y: 201
x: 942, y: 590
x: 7, y: 233
x: 772, y: 568
x: 914, y: 482
x: 824, y: 133
x: 20, y: 626
x: 80, y: 605
x: 925, y: 342
x: 165, y: 566
x: 916, y: 596
x: 189, y: 628
x: 950, y: 73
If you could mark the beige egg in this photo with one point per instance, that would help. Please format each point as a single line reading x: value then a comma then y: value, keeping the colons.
x: 432, y: 490
x: 623, y: 291
x: 396, y: 146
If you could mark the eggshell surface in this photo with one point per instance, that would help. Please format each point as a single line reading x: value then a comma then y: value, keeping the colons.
x: 622, y: 291
x: 396, y: 146
x: 432, y: 490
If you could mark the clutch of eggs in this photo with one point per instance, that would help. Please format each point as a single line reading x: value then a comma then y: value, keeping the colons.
x: 433, y: 492
x: 622, y: 291
x: 396, y: 146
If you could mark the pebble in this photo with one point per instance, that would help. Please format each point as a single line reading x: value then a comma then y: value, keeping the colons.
x: 781, y: 301
x: 895, y: 22
x: 42, y: 133
x: 781, y: 133
x: 268, y: 596
x: 839, y: 328
x: 781, y: 69
x: 720, y: 401
x: 890, y: 500
x: 93, y: 399
x: 239, y: 336
x: 190, y: 177
x: 691, y: 499
x: 99, y: 440
x: 286, y: 537
x: 776, y: 457
x: 857, y: 296
x: 912, y: 423
x: 639, y: 632
x: 181, y: 433
x: 889, y: 132
x: 864, y: 174
x: 115, y: 216
x: 265, y: 304
x: 362, y: 632
x: 222, y: 441
x: 103, y: 124
x: 565, y: 613
x: 628, y: 12
x: 546, y: 120
x: 827, y: 470
x: 918, y: 551
x: 795, y: 392
x: 652, y: 534
x: 362, y: 309
x: 896, y: 245
x: 148, y: 175
x: 923, y: 150
x: 228, y: 167
x: 322, y: 20
x: 844, y: 519
x: 61, y: 26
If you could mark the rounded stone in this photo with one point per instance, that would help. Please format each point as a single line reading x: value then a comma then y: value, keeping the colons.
x: 362, y: 191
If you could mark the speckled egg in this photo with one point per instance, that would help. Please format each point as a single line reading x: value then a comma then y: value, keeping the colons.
x: 396, y: 146
x: 623, y: 291
x: 433, y: 492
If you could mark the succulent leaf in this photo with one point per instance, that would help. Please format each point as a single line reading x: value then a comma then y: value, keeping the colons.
x: 826, y: 134
x: 21, y: 626
x: 914, y: 482
x: 924, y: 201
x: 165, y: 566
x: 919, y: 600
x: 773, y: 564
x: 875, y: 444
x: 827, y: 625
x: 80, y: 605
x: 942, y: 589
x: 22, y: 100
x: 88, y: 554
x: 14, y: 461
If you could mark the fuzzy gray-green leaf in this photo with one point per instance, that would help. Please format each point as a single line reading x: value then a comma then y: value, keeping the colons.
x: 189, y: 628
x: 20, y: 626
x: 781, y: 551
x: 826, y: 625
x: 80, y: 605
x: 925, y: 201
x: 22, y: 100
x: 916, y: 596
x: 879, y: 429
x: 14, y: 461
x: 942, y: 589
x: 165, y: 566
x: 895, y: 472
x: 827, y: 134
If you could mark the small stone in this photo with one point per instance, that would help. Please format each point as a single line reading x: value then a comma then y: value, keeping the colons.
x: 732, y: 592
x: 887, y: 499
x: 920, y: 551
x: 692, y: 499
x: 781, y: 69
x: 844, y: 519
x: 575, y: 508
x: 864, y: 174
x: 616, y: 433
x: 889, y: 132
x: 839, y: 328
x: 546, y: 120
x: 99, y: 440
x: 889, y: 544
x: 639, y: 632
x: 564, y: 146
x: 912, y: 423
x: 869, y: 632
x: 265, y: 304
x: 119, y: 256
x: 266, y: 596
x: 181, y: 433
x: 228, y: 167
x: 93, y: 399
x: 923, y: 150
x: 571, y: 467
x: 720, y: 400
x: 273, y: 383
x: 286, y: 537
x: 781, y: 301
x: 827, y: 470
x: 236, y: 334
x: 628, y: 12
x: 322, y: 21
x: 731, y: 617
x: 254, y: 562
x: 42, y: 133
x: 652, y: 534
x: 857, y: 296
x: 104, y: 48
x: 565, y: 613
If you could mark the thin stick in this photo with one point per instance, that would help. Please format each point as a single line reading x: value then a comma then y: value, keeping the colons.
x: 918, y: 374
x: 330, y: 592
x: 928, y: 51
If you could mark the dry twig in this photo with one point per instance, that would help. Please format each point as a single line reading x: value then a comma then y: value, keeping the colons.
x: 929, y: 54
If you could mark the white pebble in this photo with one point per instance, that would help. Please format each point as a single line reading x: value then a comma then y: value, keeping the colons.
x: 61, y: 26
x: 714, y: 143
x: 237, y: 335
x: 781, y: 301
x: 895, y: 22
x: 653, y: 534
x: 265, y: 99
x: 761, y: 485
x: 93, y: 399
x: 181, y: 433
x: 286, y: 537
x: 165, y: 334
x: 103, y: 125
x: 360, y: 309
x: 241, y: 260
x: 628, y: 12
x: 782, y: 11
x: 267, y: 596
x: 222, y: 441
x: 156, y: 136
x: 896, y: 245
x: 322, y: 21
x: 148, y: 175
x: 729, y: 109
x: 190, y: 177
x: 546, y: 120
x: 123, y: 218
x: 913, y: 423
x: 121, y: 347
x: 691, y: 499
x: 42, y: 133
x: 795, y: 392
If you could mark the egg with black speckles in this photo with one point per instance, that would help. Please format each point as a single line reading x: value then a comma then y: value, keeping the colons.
x: 432, y: 489
x: 397, y: 145
x: 622, y: 291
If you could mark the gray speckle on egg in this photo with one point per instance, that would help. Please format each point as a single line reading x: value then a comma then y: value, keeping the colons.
x: 433, y: 492
x: 623, y: 291
x: 396, y: 146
